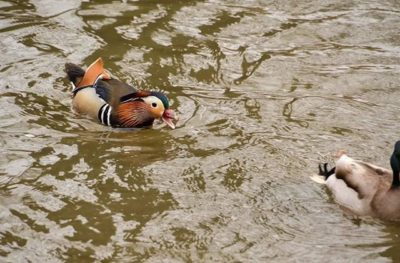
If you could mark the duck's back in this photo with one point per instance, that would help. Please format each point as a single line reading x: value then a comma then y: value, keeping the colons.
x: 355, y: 184
x: 386, y: 204
x: 95, y: 92
x: 112, y: 90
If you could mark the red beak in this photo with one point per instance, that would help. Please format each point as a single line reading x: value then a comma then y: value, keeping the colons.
x: 168, y: 117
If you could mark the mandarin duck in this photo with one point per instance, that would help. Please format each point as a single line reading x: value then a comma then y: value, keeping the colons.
x: 114, y: 103
x: 365, y: 189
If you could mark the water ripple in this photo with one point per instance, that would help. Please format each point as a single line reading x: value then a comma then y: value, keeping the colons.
x: 264, y: 90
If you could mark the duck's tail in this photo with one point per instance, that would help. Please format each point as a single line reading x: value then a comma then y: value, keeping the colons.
x: 323, y: 174
x: 81, y: 78
x: 318, y: 178
x: 75, y: 73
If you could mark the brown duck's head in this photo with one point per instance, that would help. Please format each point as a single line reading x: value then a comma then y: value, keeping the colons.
x: 142, y: 110
x: 168, y: 115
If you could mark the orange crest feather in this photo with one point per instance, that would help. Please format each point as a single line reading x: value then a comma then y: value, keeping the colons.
x: 93, y: 72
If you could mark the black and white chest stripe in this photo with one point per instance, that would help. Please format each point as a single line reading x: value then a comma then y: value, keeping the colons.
x: 104, y: 114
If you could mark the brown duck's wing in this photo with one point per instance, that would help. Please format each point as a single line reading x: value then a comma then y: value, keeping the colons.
x: 362, y: 177
x: 112, y: 90
x: 379, y: 171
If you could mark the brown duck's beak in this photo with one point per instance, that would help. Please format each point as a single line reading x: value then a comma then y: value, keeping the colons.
x: 168, y: 117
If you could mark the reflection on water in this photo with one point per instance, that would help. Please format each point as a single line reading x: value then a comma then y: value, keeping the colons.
x: 264, y: 89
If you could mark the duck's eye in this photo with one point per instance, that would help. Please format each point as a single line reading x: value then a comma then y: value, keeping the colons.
x: 154, y: 105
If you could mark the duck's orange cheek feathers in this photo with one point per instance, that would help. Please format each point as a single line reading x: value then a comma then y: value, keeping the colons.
x: 134, y: 114
x: 126, y: 117
x: 157, y: 113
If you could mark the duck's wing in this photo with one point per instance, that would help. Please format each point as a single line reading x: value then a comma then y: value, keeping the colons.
x: 385, y: 175
x: 355, y: 184
x: 347, y: 197
x: 113, y: 90
x: 364, y: 178
x: 318, y: 178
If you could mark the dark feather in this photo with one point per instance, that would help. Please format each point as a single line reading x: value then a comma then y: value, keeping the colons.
x: 74, y: 73
x: 323, y: 170
x: 103, y: 90
x: 135, y: 95
x: 129, y: 96
x: 113, y: 90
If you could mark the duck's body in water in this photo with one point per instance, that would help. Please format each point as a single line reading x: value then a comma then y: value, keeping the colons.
x: 114, y: 103
x: 365, y: 189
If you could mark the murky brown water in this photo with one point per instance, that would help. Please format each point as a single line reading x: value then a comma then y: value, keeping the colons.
x: 264, y: 89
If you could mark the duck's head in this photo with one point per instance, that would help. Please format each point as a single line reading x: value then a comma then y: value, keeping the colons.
x: 159, y: 107
x: 141, y: 108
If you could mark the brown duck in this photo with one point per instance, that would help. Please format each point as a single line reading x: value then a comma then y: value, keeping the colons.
x: 114, y: 103
x: 363, y: 188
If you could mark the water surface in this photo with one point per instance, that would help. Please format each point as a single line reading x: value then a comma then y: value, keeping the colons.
x: 265, y: 90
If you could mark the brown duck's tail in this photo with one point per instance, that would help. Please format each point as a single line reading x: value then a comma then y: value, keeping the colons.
x: 74, y: 73
x: 81, y: 78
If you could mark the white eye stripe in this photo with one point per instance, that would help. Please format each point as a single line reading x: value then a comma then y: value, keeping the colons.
x: 153, y: 102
